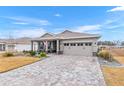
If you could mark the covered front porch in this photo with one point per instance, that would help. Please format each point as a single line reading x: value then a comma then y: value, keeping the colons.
x: 48, y: 46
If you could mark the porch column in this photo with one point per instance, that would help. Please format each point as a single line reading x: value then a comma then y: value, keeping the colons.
x: 46, y: 46
x: 32, y: 45
x: 2, y: 47
x: 38, y: 46
x: 52, y: 45
x: 57, y: 46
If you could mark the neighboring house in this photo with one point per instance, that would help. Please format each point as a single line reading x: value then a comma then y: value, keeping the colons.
x: 15, y: 44
x: 67, y: 42
x: 2, y: 46
x: 110, y: 47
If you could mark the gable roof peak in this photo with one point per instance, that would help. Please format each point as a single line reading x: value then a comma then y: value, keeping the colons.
x: 47, y: 35
x: 67, y: 31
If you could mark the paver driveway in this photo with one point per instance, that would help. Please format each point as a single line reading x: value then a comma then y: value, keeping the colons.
x: 57, y: 70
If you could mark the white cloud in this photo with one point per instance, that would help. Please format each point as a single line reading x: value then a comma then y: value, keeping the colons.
x: 58, y: 15
x: 44, y: 22
x: 28, y: 20
x: 28, y: 33
x: 113, y: 23
x: 107, y: 22
x: 87, y: 28
x: 113, y: 27
x: 120, y: 8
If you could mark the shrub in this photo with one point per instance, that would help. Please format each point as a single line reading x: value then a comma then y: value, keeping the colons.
x: 105, y: 55
x: 8, y: 54
x: 42, y: 54
x: 32, y: 53
x: 25, y: 52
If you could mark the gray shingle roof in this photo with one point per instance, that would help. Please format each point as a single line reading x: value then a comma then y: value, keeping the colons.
x: 67, y: 35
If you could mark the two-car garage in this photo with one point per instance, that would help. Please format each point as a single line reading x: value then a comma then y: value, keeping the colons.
x: 78, y: 48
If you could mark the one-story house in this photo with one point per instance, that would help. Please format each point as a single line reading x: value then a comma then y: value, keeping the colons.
x: 67, y: 42
x: 19, y: 44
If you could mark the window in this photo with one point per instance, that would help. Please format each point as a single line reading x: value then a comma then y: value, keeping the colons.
x: 4, y: 47
x: 66, y: 44
x: 79, y: 44
x: 73, y: 44
x: 11, y: 46
x: 88, y: 44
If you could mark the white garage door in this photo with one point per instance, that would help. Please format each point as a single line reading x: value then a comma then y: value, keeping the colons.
x: 84, y: 49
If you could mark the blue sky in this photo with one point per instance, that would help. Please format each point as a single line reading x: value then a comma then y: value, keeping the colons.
x: 108, y: 21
